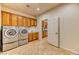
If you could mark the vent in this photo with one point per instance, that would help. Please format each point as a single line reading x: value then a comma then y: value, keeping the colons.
x: 28, y: 6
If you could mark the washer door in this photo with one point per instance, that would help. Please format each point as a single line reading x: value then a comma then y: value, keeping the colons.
x: 10, y: 33
x: 24, y: 32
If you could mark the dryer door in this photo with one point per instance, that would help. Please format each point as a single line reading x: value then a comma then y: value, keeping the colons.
x: 24, y: 32
x: 10, y: 33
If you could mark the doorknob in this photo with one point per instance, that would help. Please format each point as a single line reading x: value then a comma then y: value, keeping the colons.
x: 56, y: 32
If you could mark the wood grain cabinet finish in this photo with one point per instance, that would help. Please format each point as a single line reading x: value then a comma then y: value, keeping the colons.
x: 10, y: 19
x: 29, y: 22
x: 6, y: 19
x: 14, y: 20
x: 30, y: 37
x: 44, y: 26
x: 35, y: 22
x: 32, y: 22
x: 44, y: 34
x: 20, y: 21
x: 33, y: 36
x: 24, y: 21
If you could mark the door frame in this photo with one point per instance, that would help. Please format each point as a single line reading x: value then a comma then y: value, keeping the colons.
x: 58, y: 32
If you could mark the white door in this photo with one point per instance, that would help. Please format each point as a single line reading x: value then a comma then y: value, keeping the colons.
x: 53, y: 30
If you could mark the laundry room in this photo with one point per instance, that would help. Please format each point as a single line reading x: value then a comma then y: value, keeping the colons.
x: 39, y: 28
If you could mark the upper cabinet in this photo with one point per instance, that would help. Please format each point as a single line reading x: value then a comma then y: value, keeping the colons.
x: 25, y: 21
x: 35, y: 22
x: 14, y: 20
x: 32, y: 22
x: 29, y: 22
x: 6, y: 19
x: 10, y: 19
x: 20, y: 21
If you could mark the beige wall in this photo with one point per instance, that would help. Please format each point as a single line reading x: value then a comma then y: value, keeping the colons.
x: 69, y: 16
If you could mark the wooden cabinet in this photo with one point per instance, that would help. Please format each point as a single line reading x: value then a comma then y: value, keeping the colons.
x: 33, y: 36
x: 9, y: 19
x: 29, y: 22
x: 32, y: 22
x: 14, y: 20
x: 30, y: 36
x: 44, y: 27
x: 35, y: 22
x: 44, y: 34
x: 20, y: 21
x: 6, y: 19
x: 24, y: 21
x: 44, y: 24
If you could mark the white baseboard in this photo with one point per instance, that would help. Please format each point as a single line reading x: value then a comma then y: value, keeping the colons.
x: 75, y: 52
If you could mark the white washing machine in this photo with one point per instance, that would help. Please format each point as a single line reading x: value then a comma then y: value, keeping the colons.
x: 9, y: 37
x: 23, y: 36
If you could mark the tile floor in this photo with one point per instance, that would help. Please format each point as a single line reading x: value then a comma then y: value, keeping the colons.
x: 37, y: 48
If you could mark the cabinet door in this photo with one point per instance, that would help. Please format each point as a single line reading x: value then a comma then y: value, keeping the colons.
x: 20, y: 21
x: 42, y: 34
x: 6, y: 19
x: 35, y: 22
x: 32, y: 22
x: 14, y: 20
x: 46, y: 24
x: 42, y: 24
x: 35, y: 35
x: 24, y: 21
x: 30, y: 37
x: 29, y: 22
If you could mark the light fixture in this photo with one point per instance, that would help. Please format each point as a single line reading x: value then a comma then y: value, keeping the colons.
x: 38, y: 9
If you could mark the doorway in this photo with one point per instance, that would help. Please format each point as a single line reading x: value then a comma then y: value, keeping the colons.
x: 44, y: 28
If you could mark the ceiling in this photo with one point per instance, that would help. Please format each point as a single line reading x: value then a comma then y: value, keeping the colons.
x: 32, y: 8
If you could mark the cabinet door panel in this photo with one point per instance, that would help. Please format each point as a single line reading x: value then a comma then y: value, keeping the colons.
x: 35, y: 22
x: 30, y: 37
x: 6, y: 19
x: 29, y: 22
x: 20, y: 21
x: 24, y: 21
x: 35, y: 35
x: 14, y: 20
x: 32, y: 22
